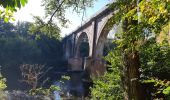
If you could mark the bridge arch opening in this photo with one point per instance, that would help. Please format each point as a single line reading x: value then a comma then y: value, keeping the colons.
x: 105, y: 40
x: 83, y: 48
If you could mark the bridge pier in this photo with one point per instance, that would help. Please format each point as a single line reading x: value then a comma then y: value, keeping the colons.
x: 76, y: 83
x: 79, y: 68
x: 95, y: 67
x: 75, y: 70
x: 75, y: 64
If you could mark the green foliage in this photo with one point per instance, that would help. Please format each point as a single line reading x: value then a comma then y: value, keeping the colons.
x: 44, y: 91
x: 18, y: 47
x: 159, y: 87
x: 152, y: 15
x: 6, y: 15
x: 64, y: 77
x: 155, y: 59
x: 109, y: 86
x: 2, y: 87
x: 2, y: 83
x: 40, y: 28
x: 10, y: 6
x: 166, y: 91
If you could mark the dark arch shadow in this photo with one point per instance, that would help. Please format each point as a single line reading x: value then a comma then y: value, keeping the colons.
x: 82, y: 46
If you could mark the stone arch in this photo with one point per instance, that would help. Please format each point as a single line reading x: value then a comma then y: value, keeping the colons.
x: 83, y: 37
x: 106, y: 28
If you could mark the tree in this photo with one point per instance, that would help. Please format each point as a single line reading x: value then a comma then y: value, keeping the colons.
x: 155, y: 68
x: 32, y: 74
x: 39, y: 28
x: 13, y: 5
x: 10, y: 6
x: 140, y: 20
x: 18, y: 47
x: 6, y: 29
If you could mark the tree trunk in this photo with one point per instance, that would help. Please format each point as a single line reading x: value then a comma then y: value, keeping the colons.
x: 131, y: 82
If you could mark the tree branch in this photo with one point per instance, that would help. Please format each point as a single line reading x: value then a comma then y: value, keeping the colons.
x: 51, y: 18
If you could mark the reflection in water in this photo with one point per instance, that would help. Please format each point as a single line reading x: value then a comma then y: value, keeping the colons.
x: 57, y: 95
x: 72, y: 88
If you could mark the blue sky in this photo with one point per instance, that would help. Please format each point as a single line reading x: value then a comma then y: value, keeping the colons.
x: 34, y: 8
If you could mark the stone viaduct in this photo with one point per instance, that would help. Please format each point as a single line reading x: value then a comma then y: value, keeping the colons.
x: 95, y: 32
